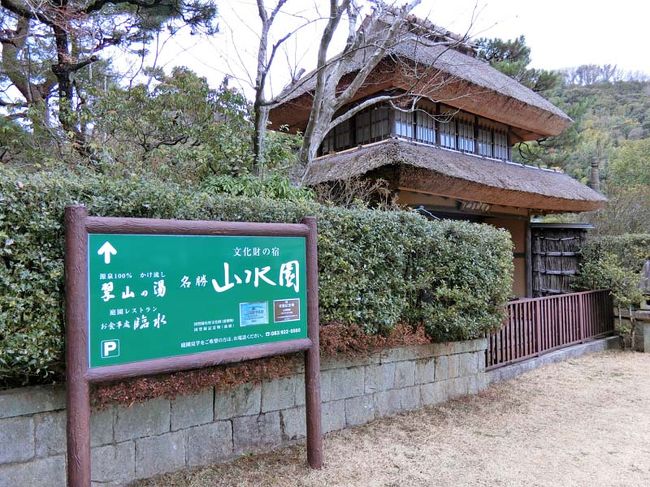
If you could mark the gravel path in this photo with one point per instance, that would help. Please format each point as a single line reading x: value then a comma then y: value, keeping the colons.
x: 584, y: 422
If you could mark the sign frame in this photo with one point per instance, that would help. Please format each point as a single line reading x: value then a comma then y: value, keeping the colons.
x: 79, y: 375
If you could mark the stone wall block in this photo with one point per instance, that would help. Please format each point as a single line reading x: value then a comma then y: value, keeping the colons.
x: 42, y: 472
x: 412, y: 352
x: 244, y: 400
x: 387, y: 403
x: 379, y: 377
x: 425, y: 371
x: 187, y: 411
x: 300, y: 389
x: 468, y: 364
x: 442, y: 368
x: 16, y: 439
x: 458, y: 387
x: 359, y: 410
x: 453, y: 362
x: 252, y: 433
x: 278, y: 394
x: 50, y: 433
x: 345, y: 361
x: 404, y: 374
x: 347, y: 383
x: 433, y: 393
x: 483, y: 381
x: 102, y: 423
x: 467, y: 346
x: 113, y: 464
x: 294, y: 424
x: 409, y: 398
x: 209, y: 443
x: 141, y: 420
x: 30, y: 400
x: 159, y: 454
x: 325, y: 385
x: 477, y: 383
x: 333, y: 416
x: 480, y: 361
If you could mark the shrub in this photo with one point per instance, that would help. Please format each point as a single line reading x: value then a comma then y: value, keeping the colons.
x: 377, y: 269
x: 615, y: 262
x: 631, y: 249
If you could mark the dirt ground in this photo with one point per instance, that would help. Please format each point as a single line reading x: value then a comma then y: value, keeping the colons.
x: 584, y: 422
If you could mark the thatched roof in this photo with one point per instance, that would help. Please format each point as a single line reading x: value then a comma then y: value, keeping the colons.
x: 453, y: 174
x: 453, y: 62
x: 459, y: 79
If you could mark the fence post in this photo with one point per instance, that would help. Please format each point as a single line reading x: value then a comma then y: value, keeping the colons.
x: 581, y: 299
x: 538, y: 328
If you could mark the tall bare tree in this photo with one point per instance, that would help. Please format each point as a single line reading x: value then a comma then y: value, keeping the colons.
x: 372, y: 39
x: 375, y: 38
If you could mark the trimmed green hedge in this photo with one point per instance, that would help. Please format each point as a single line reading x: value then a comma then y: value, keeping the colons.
x: 376, y: 268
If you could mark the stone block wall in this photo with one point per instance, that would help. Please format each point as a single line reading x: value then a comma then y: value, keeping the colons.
x: 164, y: 435
x: 640, y: 319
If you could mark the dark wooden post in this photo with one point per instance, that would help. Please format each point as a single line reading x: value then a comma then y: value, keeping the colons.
x: 312, y: 355
x: 529, y: 261
x: 78, y: 396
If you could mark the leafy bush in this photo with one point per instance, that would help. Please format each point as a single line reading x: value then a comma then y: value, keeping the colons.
x: 377, y: 269
x: 275, y: 187
x: 615, y: 262
x: 631, y: 249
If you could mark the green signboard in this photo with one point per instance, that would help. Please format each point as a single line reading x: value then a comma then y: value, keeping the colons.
x: 158, y: 296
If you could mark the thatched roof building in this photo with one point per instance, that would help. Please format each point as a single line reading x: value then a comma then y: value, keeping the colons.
x: 450, y: 157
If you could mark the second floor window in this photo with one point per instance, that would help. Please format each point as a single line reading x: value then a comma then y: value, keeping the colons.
x: 372, y: 125
x: 485, y: 142
x: 500, y: 144
x: 404, y: 124
x: 337, y: 139
x: 448, y: 133
x: 448, y: 127
x: 425, y: 127
x: 465, y: 134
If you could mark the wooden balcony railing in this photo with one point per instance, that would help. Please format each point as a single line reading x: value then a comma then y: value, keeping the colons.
x: 539, y: 325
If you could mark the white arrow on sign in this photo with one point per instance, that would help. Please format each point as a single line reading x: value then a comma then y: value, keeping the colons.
x: 107, y: 249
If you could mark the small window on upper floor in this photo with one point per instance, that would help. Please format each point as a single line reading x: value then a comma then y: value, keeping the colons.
x: 372, y: 125
x: 447, y: 132
x: 425, y: 128
x: 465, y: 133
x: 337, y: 138
x: 500, y: 144
x: 404, y: 124
x: 485, y: 141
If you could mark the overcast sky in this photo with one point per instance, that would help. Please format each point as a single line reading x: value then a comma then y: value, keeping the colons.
x: 561, y: 33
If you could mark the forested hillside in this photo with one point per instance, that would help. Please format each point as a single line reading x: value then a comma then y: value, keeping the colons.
x: 608, y: 146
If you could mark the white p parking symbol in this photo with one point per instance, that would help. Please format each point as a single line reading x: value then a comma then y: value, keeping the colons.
x: 110, y: 348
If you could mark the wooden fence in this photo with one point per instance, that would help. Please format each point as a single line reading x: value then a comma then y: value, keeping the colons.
x: 539, y: 325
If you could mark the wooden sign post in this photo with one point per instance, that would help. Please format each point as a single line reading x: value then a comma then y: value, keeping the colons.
x: 146, y: 296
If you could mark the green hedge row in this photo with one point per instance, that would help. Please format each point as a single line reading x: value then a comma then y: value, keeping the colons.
x: 376, y: 268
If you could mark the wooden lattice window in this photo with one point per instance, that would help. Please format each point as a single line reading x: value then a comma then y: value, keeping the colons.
x: 425, y: 127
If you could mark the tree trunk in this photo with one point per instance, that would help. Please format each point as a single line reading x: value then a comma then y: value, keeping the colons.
x: 259, y: 138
